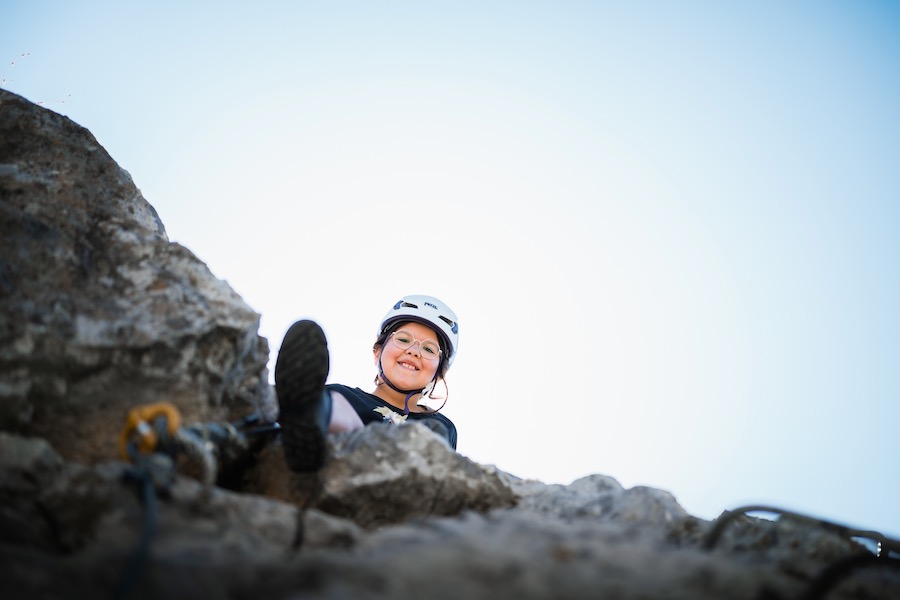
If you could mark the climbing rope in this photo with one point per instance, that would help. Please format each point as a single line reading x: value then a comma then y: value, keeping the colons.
x: 146, y: 429
x: 153, y: 440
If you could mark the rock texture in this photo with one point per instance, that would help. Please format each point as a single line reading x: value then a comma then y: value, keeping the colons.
x: 101, y: 312
x: 382, y: 475
x: 73, y: 531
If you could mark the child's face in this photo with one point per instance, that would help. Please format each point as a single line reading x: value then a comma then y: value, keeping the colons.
x: 409, y: 369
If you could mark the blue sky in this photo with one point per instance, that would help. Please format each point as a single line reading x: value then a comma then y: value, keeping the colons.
x: 669, y: 229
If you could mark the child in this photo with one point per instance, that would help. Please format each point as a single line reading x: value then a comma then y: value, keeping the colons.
x: 417, y: 343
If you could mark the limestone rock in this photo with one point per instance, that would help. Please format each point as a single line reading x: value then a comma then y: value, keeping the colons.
x: 321, y: 530
x: 556, y: 542
x: 27, y: 466
x: 390, y: 473
x: 100, y: 312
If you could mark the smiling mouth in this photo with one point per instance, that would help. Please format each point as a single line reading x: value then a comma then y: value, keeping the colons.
x: 408, y: 366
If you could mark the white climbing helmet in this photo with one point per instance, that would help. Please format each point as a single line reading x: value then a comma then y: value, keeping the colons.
x: 428, y: 311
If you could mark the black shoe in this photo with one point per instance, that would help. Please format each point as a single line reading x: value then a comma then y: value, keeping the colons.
x: 304, y: 406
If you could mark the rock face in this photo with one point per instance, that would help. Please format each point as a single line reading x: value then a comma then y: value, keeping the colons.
x: 101, y: 312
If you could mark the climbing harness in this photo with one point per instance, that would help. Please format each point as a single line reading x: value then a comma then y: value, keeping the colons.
x: 887, y: 550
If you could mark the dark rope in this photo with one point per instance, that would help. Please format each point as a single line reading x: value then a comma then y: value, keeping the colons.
x: 136, y: 566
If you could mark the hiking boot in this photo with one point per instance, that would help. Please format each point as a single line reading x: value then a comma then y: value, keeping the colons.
x: 304, y: 406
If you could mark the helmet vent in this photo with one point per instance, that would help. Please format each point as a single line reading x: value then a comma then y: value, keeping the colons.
x: 452, y: 324
x: 405, y: 305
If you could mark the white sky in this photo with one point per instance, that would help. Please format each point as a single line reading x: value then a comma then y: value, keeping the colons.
x: 670, y: 230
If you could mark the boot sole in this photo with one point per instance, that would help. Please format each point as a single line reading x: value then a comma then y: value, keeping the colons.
x: 300, y: 373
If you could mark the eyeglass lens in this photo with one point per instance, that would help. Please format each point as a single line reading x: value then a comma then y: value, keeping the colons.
x: 429, y: 348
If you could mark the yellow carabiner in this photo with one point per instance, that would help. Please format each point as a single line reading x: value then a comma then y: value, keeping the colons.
x: 138, y: 425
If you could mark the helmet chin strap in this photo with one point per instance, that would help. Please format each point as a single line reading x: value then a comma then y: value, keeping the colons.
x: 409, y: 393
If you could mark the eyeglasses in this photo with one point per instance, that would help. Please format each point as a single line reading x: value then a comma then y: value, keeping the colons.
x: 429, y: 349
